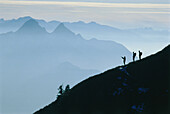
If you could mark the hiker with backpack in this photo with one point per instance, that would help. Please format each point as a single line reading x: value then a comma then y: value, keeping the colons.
x: 140, y: 55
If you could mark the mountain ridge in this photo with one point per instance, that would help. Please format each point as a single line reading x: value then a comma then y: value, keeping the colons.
x: 139, y: 87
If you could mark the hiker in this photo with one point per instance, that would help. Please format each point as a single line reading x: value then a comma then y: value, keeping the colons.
x: 140, y: 54
x: 134, y: 55
x: 60, y: 89
x: 124, y: 60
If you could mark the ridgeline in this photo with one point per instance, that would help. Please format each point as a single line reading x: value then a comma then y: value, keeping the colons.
x: 141, y: 87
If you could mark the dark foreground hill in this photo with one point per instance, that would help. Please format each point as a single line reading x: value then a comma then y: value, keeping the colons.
x: 140, y: 87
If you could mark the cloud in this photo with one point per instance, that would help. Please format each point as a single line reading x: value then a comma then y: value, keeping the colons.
x: 115, y: 14
x: 106, y: 1
x: 87, y: 4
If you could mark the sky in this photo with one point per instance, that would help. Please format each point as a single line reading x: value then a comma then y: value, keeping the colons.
x: 117, y: 13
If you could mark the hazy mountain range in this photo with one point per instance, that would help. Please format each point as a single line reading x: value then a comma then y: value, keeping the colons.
x: 91, y: 30
x: 134, y: 39
x: 35, y: 62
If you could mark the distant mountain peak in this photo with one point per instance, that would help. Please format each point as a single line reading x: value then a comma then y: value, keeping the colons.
x: 31, y: 22
x: 92, y: 22
x: 61, y: 29
x: 78, y: 22
x: 61, y: 25
x: 26, y: 17
x: 31, y: 26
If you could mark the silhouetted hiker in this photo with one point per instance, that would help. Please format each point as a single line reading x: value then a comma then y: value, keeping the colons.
x: 67, y: 88
x: 124, y: 60
x: 60, y: 89
x: 134, y: 55
x: 140, y: 54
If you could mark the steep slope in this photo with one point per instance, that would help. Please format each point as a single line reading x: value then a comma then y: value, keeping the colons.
x: 140, y: 87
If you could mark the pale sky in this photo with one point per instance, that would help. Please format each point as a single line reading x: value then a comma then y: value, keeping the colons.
x: 129, y: 14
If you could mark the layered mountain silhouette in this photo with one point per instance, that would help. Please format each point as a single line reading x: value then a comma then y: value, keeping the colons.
x: 31, y: 61
x: 131, y: 38
x: 140, y: 87
x: 68, y: 45
x: 92, y: 29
